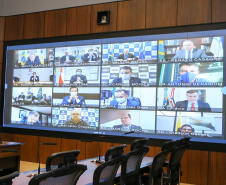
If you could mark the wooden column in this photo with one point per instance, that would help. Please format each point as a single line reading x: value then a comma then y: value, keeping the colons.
x: 218, y: 11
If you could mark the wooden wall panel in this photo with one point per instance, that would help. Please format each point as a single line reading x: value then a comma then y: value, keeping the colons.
x: 195, y: 167
x: 78, y: 20
x: 1, y: 53
x: 34, y: 25
x: 104, y: 146
x: 14, y: 27
x: 92, y: 149
x: 218, y: 11
x: 131, y: 15
x: 46, y: 150
x: 112, y: 7
x: 55, y: 23
x: 158, y: 13
x: 194, y: 12
x: 8, y: 137
x: 217, y: 168
x: 153, y: 151
x: 2, y: 28
x: 29, y: 150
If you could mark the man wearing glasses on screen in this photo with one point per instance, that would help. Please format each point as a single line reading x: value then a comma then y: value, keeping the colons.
x: 126, y: 125
x: 127, y: 56
x: 125, y: 77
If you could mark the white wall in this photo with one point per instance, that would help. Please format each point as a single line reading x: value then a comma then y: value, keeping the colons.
x: 15, y: 7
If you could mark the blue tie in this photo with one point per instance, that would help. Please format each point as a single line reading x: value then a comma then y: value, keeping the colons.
x: 189, y: 54
x: 125, y: 57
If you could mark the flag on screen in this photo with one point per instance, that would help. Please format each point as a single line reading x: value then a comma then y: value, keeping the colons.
x: 178, y: 123
x: 113, y: 93
x: 77, y: 55
x: 42, y: 57
x: 217, y: 46
x: 111, y: 53
x: 161, y: 53
x: 54, y: 75
x: 141, y: 51
x: 165, y: 99
x: 23, y: 58
x: 171, y: 101
x: 61, y: 79
x: 28, y: 93
x: 39, y: 95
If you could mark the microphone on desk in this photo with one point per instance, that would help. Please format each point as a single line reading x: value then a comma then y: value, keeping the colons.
x: 128, y: 133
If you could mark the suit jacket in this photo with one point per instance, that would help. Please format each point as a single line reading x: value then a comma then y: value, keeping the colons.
x: 21, y: 96
x: 36, y: 61
x: 131, y: 101
x: 132, y: 80
x: 133, y: 127
x: 130, y: 55
x: 196, y: 53
x: 81, y: 98
x: 63, y: 58
x: 74, y: 78
x: 36, y: 79
x: 202, y: 106
x: 86, y: 57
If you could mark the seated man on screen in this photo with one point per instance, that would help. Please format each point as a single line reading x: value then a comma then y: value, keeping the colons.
x: 90, y: 56
x: 127, y: 56
x: 67, y: 58
x: 34, y: 78
x: 33, y: 118
x: 33, y: 60
x: 186, y: 129
x: 31, y: 97
x: 74, y: 98
x: 189, y: 51
x: 192, y: 103
x: 76, y: 119
x: 122, y: 100
x: 189, y: 74
x: 125, y: 73
x: 21, y: 96
x: 126, y: 125
x: 78, y: 78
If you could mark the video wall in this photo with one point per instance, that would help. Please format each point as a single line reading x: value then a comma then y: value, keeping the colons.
x: 151, y: 85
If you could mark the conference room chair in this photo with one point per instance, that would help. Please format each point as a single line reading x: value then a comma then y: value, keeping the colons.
x: 7, y: 179
x: 60, y: 159
x: 139, y: 143
x: 106, y: 172
x: 130, y: 168
x: 66, y: 175
x: 155, y: 172
x: 174, y: 171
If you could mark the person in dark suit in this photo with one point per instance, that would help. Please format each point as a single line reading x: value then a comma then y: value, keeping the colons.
x: 189, y: 51
x: 33, y: 60
x: 67, y: 58
x: 125, y: 73
x: 127, y: 56
x: 90, y: 56
x: 122, y: 100
x: 21, y: 96
x: 126, y: 125
x: 33, y: 119
x: 74, y: 98
x: 192, y: 103
x: 78, y: 78
x: 34, y: 78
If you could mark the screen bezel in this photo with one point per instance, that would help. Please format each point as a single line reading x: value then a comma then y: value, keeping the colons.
x: 153, y: 141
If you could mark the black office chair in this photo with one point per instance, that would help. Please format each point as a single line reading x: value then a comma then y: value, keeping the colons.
x: 139, y: 143
x: 174, y: 167
x: 7, y: 179
x: 130, y: 169
x: 67, y: 175
x: 60, y: 159
x: 155, y: 176
x: 106, y: 172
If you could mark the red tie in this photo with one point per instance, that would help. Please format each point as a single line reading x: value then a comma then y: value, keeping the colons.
x: 193, y: 107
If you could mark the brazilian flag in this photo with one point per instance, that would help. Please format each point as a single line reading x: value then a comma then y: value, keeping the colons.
x: 39, y: 95
x: 161, y: 53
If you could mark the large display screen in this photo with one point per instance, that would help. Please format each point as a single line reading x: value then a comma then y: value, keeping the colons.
x: 155, y: 86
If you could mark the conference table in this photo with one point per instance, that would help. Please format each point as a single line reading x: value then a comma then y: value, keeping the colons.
x: 85, y: 179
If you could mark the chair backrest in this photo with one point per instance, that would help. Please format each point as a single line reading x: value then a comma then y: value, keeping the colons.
x: 114, y: 152
x: 139, y: 143
x: 106, y: 172
x: 60, y: 159
x: 130, y: 170
x: 173, y: 170
x: 67, y: 175
x: 7, y: 179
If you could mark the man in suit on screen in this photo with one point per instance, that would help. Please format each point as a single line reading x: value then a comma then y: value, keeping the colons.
x: 33, y: 60
x: 67, y: 58
x: 189, y: 51
x: 193, y: 103
x: 125, y: 73
x: 34, y: 78
x: 126, y: 125
x: 78, y: 78
x: 122, y: 100
x: 127, y: 56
